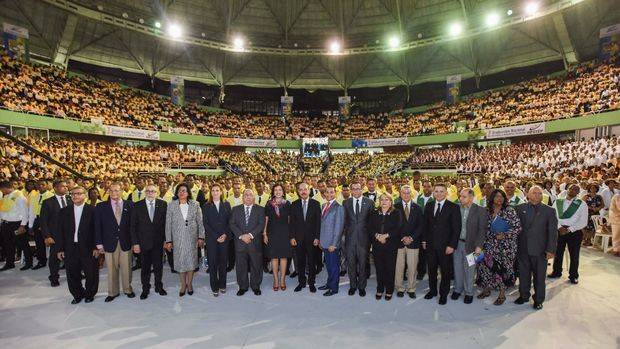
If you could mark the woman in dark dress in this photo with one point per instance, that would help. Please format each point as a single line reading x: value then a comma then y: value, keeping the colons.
x: 276, y: 235
x: 497, y: 270
x: 384, y: 231
x: 595, y: 205
x: 216, y: 213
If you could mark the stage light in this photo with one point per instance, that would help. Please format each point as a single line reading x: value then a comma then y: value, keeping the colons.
x: 175, y: 31
x: 492, y: 19
x: 456, y: 29
x: 394, y: 42
x: 238, y: 43
x: 334, y: 47
x: 509, y: 12
x: 157, y: 25
x: 531, y: 8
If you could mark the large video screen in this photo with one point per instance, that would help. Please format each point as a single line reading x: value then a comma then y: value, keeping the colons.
x: 314, y: 147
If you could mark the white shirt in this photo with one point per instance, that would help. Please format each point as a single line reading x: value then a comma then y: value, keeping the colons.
x: 578, y: 221
x: 19, y: 212
x: 184, y: 209
x: 249, y: 210
x: 59, y: 198
x: 217, y: 205
x: 442, y: 202
x: 355, y: 201
x: 77, y: 216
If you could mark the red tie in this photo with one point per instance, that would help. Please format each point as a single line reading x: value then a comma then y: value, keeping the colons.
x: 326, y: 209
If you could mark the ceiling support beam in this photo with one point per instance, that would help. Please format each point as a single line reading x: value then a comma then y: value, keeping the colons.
x: 61, y: 53
x: 35, y: 27
x: 567, y: 49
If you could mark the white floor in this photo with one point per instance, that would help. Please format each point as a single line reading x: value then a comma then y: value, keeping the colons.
x: 34, y: 315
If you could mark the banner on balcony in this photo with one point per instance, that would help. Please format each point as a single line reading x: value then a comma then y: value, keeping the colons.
x: 609, y: 42
x: 286, y: 105
x: 453, y: 88
x: 379, y: 142
x: 15, y: 42
x: 248, y: 142
x: 125, y: 132
x: 344, y: 104
x: 177, y: 90
x: 513, y: 131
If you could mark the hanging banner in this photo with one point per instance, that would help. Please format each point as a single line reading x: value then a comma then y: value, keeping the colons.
x: 15, y: 42
x: 519, y: 130
x: 286, y: 105
x: 609, y: 42
x: 248, y: 142
x: 379, y: 142
x: 344, y: 104
x: 177, y: 90
x: 453, y: 88
x: 125, y: 132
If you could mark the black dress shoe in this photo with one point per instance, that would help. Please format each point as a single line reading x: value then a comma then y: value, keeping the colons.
x: 362, y: 293
x: 257, y: 292
x: 554, y: 276
x: 108, y: 299
x: 538, y: 306
x: 76, y: 300
x: 443, y: 300
x: 430, y: 295
x: 54, y: 283
x: 181, y: 294
x: 411, y: 295
x: 520, y: 301
x: 343, y: 273
x: 573, y: 281
x: 329, y: 293
x: 144, y: 295
x: 26, y: 267
x: 190, y: 292
x: 323, y: 288
x: 162, y: 292
x: 7, y: 267
x: 130, y: 295
x: 89, y: 299
x: 351, y: 291
x: 455, y: 296
x: 312, y: 289
x: 293, y: 274
x: 38, y: 266
x: 400, y: 294
x: 468, y: 299
x: 378, y: 296
x: 241, y: 292
x: 299, y: 287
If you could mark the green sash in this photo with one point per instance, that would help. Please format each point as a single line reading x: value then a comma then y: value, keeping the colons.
x: 420, y: 201
x: 483, y: 202
x: 570, y: 211
x: 516, y: 201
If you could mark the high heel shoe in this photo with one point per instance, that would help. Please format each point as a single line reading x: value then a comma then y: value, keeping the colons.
x: 275, y: 287
x: 190, y: 292
x: 181, y: 294
x: 283, y: 286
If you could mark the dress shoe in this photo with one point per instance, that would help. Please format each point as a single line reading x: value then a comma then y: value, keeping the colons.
x: 329, y: 293
x: 241, y: 292
x: 388, y: 297
x: 26, y: 267
x: 161, y: 292
x: 190, y: 292
x: 38, y: 266
x: 181, y: 294
x: 108, y: 299
x: 351, y: 291
x: 293, y: 275
x: 573, y: 281
x: 256, y: 292
x: 323, y: 288
x: 411, y: 295
x: 443, y: 300
x: 400, y: 294
x: 468, y: 299
x: 76, y: 300
x: 144, y: 295
x: 54, y: 283
x: 222, y: 290
x: 343, y: 273
x: 7, y: 267
x: 538, y: 306
x: 554, y: 276
x: 299, y: 288
x: 455, y: 296
x: 430, y: 295
x: 312, y: 289
x: 216, y: 294
x: 130, y: 295
x: 362, y: 293
x: 89, y: 299
x: 520, y: 301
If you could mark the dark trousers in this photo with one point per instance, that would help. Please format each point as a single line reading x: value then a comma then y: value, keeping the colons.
x: 217, y: 256
x: 152, y: 258
x: 249, y: 254
x: 357, y: 257
x: 422, y: 263
x: 21, y: 243
x: 231, y: 254
x: 306, y: 253
x: 536, y: 267
x: 573, y: 241
x: 75, y: 265
x: 39, y: 242
x: 437, y: 259
x: 54, y: 263
x: 7, y: 233
x: 318, y: 259
x: 332, y: 263
x: 385, y: 265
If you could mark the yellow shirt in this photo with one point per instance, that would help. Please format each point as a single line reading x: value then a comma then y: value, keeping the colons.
x: 261, y: 200
x: 36, y: 201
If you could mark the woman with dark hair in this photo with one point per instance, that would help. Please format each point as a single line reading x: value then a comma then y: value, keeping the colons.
x: 497, y: 270
x: 93, y: 196
x: 185, y: 233
x: 595, y: 205
x: 385, y: 234
x: 276, y: 234
x: 216, y: 213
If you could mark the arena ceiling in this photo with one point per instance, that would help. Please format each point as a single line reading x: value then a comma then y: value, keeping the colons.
x: 286, y: 42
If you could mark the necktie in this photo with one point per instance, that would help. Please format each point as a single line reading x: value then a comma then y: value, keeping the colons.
x: 139, y: 194
x: 247, y: 215
x: 357, y: 207
x: 438, y: 210
x: 326, y: 208
x: 117, y: 211
x: 151, y: 210
x: 304, y: 208
x: 63, y: 202
x: 40, y: 198
x: 407, y: 211
x: 259, y: 199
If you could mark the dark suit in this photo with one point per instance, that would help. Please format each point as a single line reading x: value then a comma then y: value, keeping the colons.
x: 356, y: 240
x: 251, y: 252
x: 79, y: 255
x: 150, y: 235
x: 48, y: 219
x: 440, y: 232
x: 216, y: 224
x: 107, y: 231
x: 408, y: 255
x: 385, y: 254
x: 539, y: 236
x: 305, y: 231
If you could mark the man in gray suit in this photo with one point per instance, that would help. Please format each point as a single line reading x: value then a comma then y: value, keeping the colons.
x: 247, y: 222
x: 357, y: 210
x: 332, y: 225
x: 537, y: 244
x: 474, y: 227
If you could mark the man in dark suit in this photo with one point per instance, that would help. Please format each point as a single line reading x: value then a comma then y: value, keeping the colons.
x: 50, y: 209
x: 410, y: 241
x: 247, y: 223
x: 357, y: 212
x: 305, y: 229
x: 113, y: 237
x: 537, y: 244
x: 441, y: 237
x: 76, y: 246
x: 148, y: 220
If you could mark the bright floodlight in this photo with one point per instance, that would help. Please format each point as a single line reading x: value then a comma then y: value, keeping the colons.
x: 492, y: 19
x: 394, y: 42
x: 456, y: 29
x: 531, y: 8
x: 175, y: 31
x: 334, y: 47
x: 238, y: 43
x: 157, y: 25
